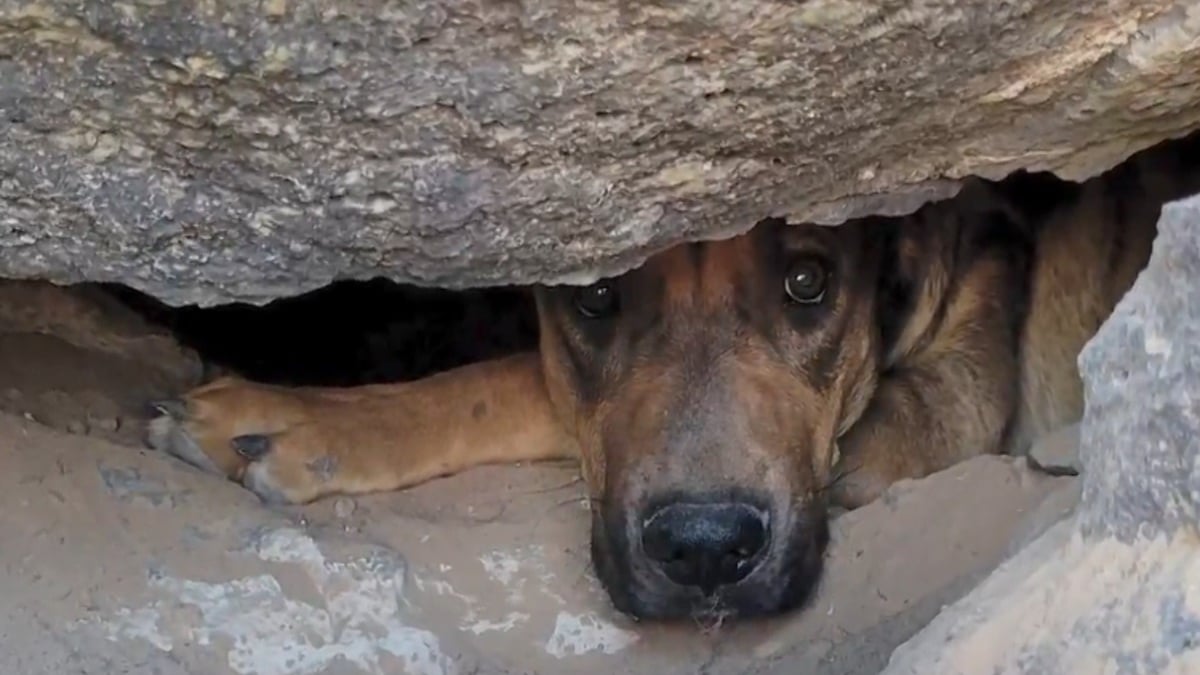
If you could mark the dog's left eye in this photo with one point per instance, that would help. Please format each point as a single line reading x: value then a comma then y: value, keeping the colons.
x: 597, y: 301
x: 806, y: 279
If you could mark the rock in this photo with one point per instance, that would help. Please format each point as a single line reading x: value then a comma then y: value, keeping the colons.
x: 1117, y: 587
x: 1141, y: 433
x: 238, y: 149
x: 77, y: 360
x: 344, y: 508
x: 87, y: 318
x: 135, y: 556
x: 1057, y: 506
x: 104, y: 423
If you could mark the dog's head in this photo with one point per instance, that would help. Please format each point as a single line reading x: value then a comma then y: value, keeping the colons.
x: 707, y: 389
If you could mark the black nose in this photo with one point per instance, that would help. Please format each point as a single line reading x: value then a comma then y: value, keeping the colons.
x: 705, y: 545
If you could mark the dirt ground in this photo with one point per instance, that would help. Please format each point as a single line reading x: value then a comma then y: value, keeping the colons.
x: 115, y: 559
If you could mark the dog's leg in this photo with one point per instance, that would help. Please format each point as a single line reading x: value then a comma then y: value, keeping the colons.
x: 294, y: 445
x: 944, y: 403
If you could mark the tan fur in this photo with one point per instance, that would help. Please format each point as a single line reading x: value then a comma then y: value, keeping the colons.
x: 1075, y: 243
x: 371, y: 438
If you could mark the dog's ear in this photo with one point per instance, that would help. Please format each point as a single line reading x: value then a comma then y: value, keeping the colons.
x: 1000, y: 218
x: 923, y: 252
x: 1000, y: 223
x: 1023, y: 198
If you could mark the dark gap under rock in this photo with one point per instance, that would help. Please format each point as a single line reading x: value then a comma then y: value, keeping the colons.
x: 360, y: 332
x: 351, y: 332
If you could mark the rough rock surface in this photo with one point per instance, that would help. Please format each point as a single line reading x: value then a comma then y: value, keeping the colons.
x: 74, y: 359
x: 1116, y: 589
x: 246, y: 149
x: 121, y: 561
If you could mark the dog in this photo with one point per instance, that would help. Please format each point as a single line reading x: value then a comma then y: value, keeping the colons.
x: 724, y: 395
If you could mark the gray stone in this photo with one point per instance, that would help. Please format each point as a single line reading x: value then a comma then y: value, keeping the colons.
x: 1141, y: 433
x: 1117, y: 587
x: 1056, y: 507
x: 344, y: 508
x: 245, y: 149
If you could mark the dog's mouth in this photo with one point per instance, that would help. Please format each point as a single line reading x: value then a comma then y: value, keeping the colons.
x: 784, y: 577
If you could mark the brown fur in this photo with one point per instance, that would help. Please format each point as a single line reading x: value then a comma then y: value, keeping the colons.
x: 941, y: 336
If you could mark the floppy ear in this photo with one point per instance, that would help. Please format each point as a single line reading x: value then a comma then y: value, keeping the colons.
x: 925, y: 250
x: 999, y: 225
x: 1024, y: 198
x: 1001, y: 218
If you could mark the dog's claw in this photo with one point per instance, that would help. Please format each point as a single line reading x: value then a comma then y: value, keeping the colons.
x: 251, y: 446
x: 170, y: 407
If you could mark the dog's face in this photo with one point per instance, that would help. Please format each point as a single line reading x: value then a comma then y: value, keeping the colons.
x: 707, y: 389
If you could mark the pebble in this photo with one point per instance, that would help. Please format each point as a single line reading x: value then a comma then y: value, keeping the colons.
x: 344, y: 508
x: 104, y: 423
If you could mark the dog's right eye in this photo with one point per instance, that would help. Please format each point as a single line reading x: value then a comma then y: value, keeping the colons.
x: 597, y: 301
x: 806, y: 279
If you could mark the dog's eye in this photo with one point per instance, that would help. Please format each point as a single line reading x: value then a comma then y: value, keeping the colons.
x: 597, y: 301
x: 806, y: 279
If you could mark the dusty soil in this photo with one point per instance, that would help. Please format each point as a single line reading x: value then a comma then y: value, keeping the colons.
x: 116, y: 559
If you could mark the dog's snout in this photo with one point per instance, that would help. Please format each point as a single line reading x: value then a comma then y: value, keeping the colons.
x: 706, y: 545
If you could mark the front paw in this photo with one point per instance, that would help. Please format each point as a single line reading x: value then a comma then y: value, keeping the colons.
x: 259, y: 436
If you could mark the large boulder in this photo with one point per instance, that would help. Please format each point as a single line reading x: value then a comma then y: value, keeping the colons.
x: 1116, y: 589
x: 246, y: 149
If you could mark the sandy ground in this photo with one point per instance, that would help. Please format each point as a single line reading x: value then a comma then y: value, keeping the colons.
x: 114, y: 559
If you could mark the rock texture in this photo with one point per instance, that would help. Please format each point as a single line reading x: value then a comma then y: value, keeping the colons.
x: 120, y: 561
x: 1116, y: 589
x: 246, y: 149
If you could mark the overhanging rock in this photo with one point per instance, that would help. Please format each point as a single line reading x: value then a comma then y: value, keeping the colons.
x: 246, y: 149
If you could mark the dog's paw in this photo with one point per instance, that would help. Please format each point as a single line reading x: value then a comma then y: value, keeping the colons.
x: 260, y: 436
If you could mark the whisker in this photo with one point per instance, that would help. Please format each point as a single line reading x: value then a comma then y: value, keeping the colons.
x: 567, y: 502
x: 838, y: 478
x: 710, y: 620
x: 554, y: 488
